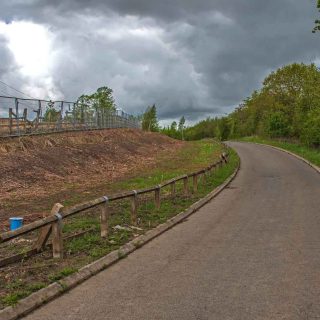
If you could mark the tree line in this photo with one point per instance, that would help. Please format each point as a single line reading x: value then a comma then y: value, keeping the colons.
x: 287, y: 106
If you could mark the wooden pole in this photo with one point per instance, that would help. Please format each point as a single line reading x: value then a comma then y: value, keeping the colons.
x: 204, y: 177
x: 157, y: 197
x: 17, y: 114
x: 10, y: 120
x: 25, y: 116
x: 173, y: 189
x: 46, y: 230
x: 57, y: 240
x: 134, y: 208
x: 104, y: 217
x: 185, y: 186
x: 195, y: 183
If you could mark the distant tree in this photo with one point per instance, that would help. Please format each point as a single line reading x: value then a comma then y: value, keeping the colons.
x: 223, y: 129
x: 173, y: 126
x: 149, y: 119
x: 317, y: 22
x: 51, y: 114
x: 103, y: 99
x: 181, y: 127
x: 99, y: 102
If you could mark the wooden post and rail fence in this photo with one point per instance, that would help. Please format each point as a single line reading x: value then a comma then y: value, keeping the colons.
x: 52, y: 223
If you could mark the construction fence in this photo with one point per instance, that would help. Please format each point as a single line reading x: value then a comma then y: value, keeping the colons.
x: 19, y: 116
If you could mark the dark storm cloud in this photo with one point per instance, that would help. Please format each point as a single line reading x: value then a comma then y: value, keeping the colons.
x: 190, y: 57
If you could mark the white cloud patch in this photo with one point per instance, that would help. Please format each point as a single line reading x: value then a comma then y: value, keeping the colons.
x: 31, y: 46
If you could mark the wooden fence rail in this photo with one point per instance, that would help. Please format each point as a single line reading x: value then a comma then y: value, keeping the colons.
x: 52, y: 224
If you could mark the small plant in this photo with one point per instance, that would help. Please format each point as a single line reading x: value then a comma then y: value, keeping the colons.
x: 12, y: 299
x: 61, y: 274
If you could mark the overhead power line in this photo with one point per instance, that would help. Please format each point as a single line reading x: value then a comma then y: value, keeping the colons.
x: 16, y: 90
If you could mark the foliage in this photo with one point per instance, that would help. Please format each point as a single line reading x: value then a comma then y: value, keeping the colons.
x: 317, y: 22
x: 51, y: 114
x: 100, y: 102
x: 149, y: 119
x: 181, y: 126
x: 287, y: 106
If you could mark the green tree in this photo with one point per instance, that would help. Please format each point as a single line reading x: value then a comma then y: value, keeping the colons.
x: 51, y: 114
x: 311, y: 131
x: 149, y: 119
x: 317, y: 21
x: 95, y: 106
x: 103, y: 99
x: 173, y: 126
x: 181, y: 127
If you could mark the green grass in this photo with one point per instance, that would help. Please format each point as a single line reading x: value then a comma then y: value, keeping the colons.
x: 61, y: 274
x: 20, y: 290
x: 193, y: 156
x: 311, y: 154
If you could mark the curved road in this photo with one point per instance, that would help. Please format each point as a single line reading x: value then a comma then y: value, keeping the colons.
x: 251, y: 253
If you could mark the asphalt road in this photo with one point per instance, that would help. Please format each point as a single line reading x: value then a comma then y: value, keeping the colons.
x: 251, y: 253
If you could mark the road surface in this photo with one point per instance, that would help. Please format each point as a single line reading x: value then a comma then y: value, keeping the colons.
x: 251, y: 253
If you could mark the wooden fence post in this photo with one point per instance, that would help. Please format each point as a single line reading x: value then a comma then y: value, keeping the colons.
x: 173, y: 189
x: 25, y: 117
x: 185, y: 185
x: 104, y: 217
x: 204, y: 177
x: 195, y: 183
x: 157, y: 197
x: 134, y: 208
x: 57, y: 240
x: 46, y: 230
x: 10, y: 120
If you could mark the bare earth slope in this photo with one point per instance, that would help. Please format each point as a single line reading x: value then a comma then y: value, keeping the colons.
x: 251, y: 253
x: 37, y: 171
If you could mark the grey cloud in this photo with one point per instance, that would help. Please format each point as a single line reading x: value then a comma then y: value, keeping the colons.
x: 205, y: 55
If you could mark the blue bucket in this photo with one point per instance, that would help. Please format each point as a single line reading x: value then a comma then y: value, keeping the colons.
x: 15, y: 223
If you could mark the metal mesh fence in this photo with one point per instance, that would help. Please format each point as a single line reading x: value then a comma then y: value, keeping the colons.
x: 20, y: 116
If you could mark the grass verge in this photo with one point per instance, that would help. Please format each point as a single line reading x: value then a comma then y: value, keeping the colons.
x: 311, y: 154
x: 21, y: 279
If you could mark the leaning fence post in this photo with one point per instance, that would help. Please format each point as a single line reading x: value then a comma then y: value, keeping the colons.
x: 57, y: 240
x: 195, y: 183
x: 46, y: 230
x: 134, y: 208
x: 104, y: 217
x: 157, y: 197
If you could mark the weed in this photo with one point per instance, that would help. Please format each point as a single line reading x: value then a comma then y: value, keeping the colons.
x: 61, y: 274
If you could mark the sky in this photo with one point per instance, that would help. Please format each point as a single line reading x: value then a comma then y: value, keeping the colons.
x: 192, y: 58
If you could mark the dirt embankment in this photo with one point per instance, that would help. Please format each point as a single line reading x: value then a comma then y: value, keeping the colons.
x: 37, y: 171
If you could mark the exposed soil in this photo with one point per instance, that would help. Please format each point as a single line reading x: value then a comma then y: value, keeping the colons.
x: 37, y: 171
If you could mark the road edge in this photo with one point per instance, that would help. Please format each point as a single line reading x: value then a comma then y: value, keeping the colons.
x: 56, y: 289
x: 315, y: 167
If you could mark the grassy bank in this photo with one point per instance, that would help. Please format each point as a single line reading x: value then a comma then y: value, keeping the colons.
x: 21, y: 279
x: 311, y: 154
